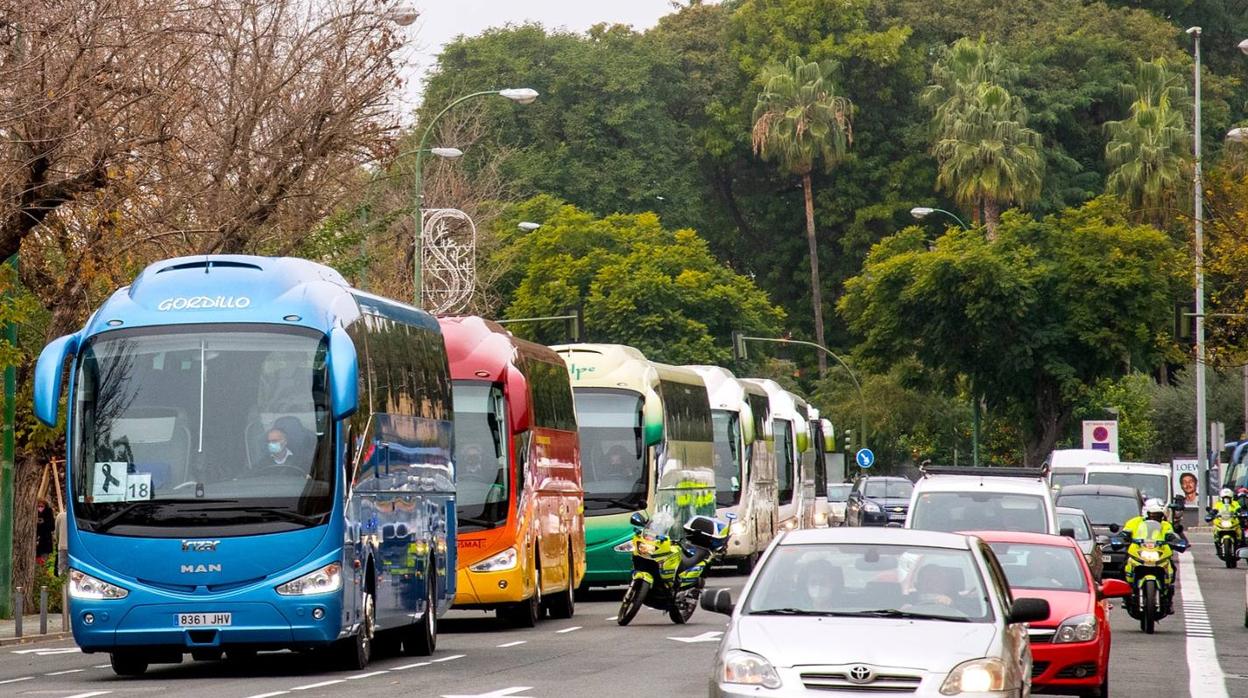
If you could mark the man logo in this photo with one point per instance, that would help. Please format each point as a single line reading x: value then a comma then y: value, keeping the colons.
x: 861, y: 674
x: 195, y: 569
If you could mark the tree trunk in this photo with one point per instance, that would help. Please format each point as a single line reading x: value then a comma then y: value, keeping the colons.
x: 816, y: 294
x: 1050, y: 416
x: 26, y: 474
x: 992, y: 216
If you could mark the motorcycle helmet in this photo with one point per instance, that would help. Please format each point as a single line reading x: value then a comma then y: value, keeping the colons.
x: 1154, y: 509
x: 1226, y: 495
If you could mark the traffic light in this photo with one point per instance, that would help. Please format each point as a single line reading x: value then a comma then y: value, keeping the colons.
x: 738, y: 346
x: 849, y: 440
x: 576, y: 325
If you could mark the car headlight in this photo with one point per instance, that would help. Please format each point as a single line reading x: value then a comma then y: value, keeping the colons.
x: 503, y: 561
x: 1150, y: 555
x: 871, y: 507
x: 975, y: 676
x: 1077, y: 629
x: 84, y: 586
x: 750, y: 669
x: 322, y: 581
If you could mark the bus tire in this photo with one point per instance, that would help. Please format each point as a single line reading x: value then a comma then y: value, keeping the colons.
x: 355, y: 652
x: 128, y: 663
x: 525, y: 614
x: 563, y: 604
x: 422, y: 638
x: 746, y: 564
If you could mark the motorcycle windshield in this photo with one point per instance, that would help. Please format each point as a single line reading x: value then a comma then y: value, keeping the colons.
x: 1150, y: 531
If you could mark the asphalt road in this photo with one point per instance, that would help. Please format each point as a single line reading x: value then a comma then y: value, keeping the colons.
x: 591, y: 655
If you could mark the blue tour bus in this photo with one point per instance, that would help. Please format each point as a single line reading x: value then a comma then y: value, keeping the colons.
x: 259, y: 458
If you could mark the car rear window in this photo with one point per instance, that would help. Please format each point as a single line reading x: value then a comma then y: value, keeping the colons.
x: 980, y: 511
x: 1051, y: 567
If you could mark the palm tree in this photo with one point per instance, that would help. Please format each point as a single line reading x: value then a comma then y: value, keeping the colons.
x: 800, y: 119
x: 1147, y: 151
x: 986, y: 153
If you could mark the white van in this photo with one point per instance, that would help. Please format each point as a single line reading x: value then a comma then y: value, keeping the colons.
x: 1068, y: 466
x: 1151, y: 479
x: 982, y: 499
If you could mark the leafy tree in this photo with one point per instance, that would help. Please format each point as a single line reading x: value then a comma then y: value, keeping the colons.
x: 799, y: 119
x: 1051, y: 307
x: 1174, y: 410
x: 640, y: 284
x: 1148, y: 151
x: 987, y: 155
x: 1131, y: 398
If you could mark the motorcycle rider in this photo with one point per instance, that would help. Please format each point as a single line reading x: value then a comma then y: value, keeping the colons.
x: 1226, y: 502
x: 1154, y: 510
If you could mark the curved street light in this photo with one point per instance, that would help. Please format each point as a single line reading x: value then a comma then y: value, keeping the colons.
x: 528, y: 226
x: 402, y: 15
x: 921, y: 212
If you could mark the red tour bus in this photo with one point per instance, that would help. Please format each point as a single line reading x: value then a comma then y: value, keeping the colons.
x: 518, y: 497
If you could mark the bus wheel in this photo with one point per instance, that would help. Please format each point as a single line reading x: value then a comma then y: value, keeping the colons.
x: 563, y: 604
x: 127, y: 664
x: 355, y: 652
x: 422, y: 638
x: 746, y: 564
x: 526, y: 613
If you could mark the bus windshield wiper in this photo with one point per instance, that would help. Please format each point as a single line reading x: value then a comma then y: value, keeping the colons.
x: 279, y: 512
x: 114, y: 518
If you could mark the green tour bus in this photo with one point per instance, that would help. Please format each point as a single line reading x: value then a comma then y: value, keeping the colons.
x: 646, y: 445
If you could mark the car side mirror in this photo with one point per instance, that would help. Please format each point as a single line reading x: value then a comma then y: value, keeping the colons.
x: 1067, y: 532
x: 718, y: 601
x: 1114, y: 589
x: 1102, y: 539
x: 1114, y: 528
x: 1028, y: 610
x: 639, y: 519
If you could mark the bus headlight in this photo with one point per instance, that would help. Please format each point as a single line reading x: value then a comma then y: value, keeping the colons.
x: 749, y: 669
x: 975, y: 676
x: 503, y: 561
x: 322, y: 581
x: 84, y: 586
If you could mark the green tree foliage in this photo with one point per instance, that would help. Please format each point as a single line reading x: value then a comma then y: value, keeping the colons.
x: 1174, y: 410
x: 1148, y: 151
x: 659, y: 290
x: 1032, y: 319
x: 1131, y: 397
x: 800, y: 120
x: 986, y: 153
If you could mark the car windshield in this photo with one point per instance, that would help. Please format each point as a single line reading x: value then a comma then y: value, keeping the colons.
x: 202, y: 426
x: 727, y: 463
x: 838, y: 493
x: 1076, y: 523
x: 888, y: 489
x: 870, y: 580
x: 480, y: 456
x: 1149, y: 485
x: 1062, y: 479
x: 1102, y: 509
x: 612, y: 452
x: 1029, y: 566
x: 980, y: 511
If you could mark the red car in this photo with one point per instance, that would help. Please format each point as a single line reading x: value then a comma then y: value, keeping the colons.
x: 1070, y: 650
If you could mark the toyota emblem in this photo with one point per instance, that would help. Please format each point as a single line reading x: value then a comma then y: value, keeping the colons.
x: 860, y: 674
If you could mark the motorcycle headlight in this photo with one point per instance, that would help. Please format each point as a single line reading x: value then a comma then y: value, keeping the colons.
x: 84, y: 586
x: 503, y: 561
x: 1150, y: 555
x: 1080, y: 628
x: 322, y: 581
x: 871, y: 507
x: 975, y: 676
x: 750, y: 669
x: 1225, y: 523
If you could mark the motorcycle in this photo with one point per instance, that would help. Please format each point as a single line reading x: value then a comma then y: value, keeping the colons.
x: 668, y: 574
x: 1228, y: 533
x: 1150, y: 572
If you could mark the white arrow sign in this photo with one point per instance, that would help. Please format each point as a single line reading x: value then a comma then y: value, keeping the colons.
x: 500, y: 693
x: 45, y: 651
x: 710, y: 636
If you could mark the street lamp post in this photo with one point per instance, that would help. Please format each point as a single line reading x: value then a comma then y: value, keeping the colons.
x: 521, y: 95
x: 919, y: 213
x: 1202, y: 448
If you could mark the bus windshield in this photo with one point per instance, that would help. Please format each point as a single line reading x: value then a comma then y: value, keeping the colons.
x: 182, y: 429
x: 613, y: 455
x: 727, y: 464
x: 481, y: 482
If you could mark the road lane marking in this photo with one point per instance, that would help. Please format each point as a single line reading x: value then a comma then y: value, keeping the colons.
x: 709, y: 636
x: 567, y: 630
x: 369, y: 674
x: 410, y: 666
x: 614, y: 618
x: 89, y: 694
x: 512, y: 644
x: 62, y: 673
x: 22, y: 678
x: 102, y: 666
x: 322, y: 684
x: 1205, y: 677
x: 47, y: 651
x: 453, y: 656
x: 500, y: 693
x: 269, y: 695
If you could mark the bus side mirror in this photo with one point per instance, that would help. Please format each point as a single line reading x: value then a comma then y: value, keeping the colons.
x: 829, y: 436
x: 48, y: 377
x: 652, y: 420
x: 519, y: 406
x: 746, y: 418
x: 344, y: 373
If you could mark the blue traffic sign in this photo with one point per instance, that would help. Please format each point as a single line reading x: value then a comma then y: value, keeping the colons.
x: 865, y: 458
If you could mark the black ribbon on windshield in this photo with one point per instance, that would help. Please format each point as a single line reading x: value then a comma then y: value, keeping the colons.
x: 107, y: 470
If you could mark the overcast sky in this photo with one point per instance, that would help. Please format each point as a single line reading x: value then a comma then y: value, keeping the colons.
x: 443, y: 20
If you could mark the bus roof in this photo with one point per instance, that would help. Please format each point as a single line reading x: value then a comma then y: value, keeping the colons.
x: 784, y: 405
x: 475, y: 345
x: 619, y: 366
x: 724, y: 390
x: 241, y: 289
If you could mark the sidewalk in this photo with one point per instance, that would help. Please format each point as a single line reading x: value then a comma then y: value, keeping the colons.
x: 30, y: 630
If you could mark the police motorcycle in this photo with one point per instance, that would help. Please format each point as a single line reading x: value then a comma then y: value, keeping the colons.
x: 668, y: 574
x: 1150, y: 570
x: 1228, y: 528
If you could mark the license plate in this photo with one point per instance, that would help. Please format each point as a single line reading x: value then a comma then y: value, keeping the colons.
x: 199, y: 620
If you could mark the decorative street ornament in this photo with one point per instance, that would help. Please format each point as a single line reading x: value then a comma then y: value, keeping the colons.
x: 448, y: 260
